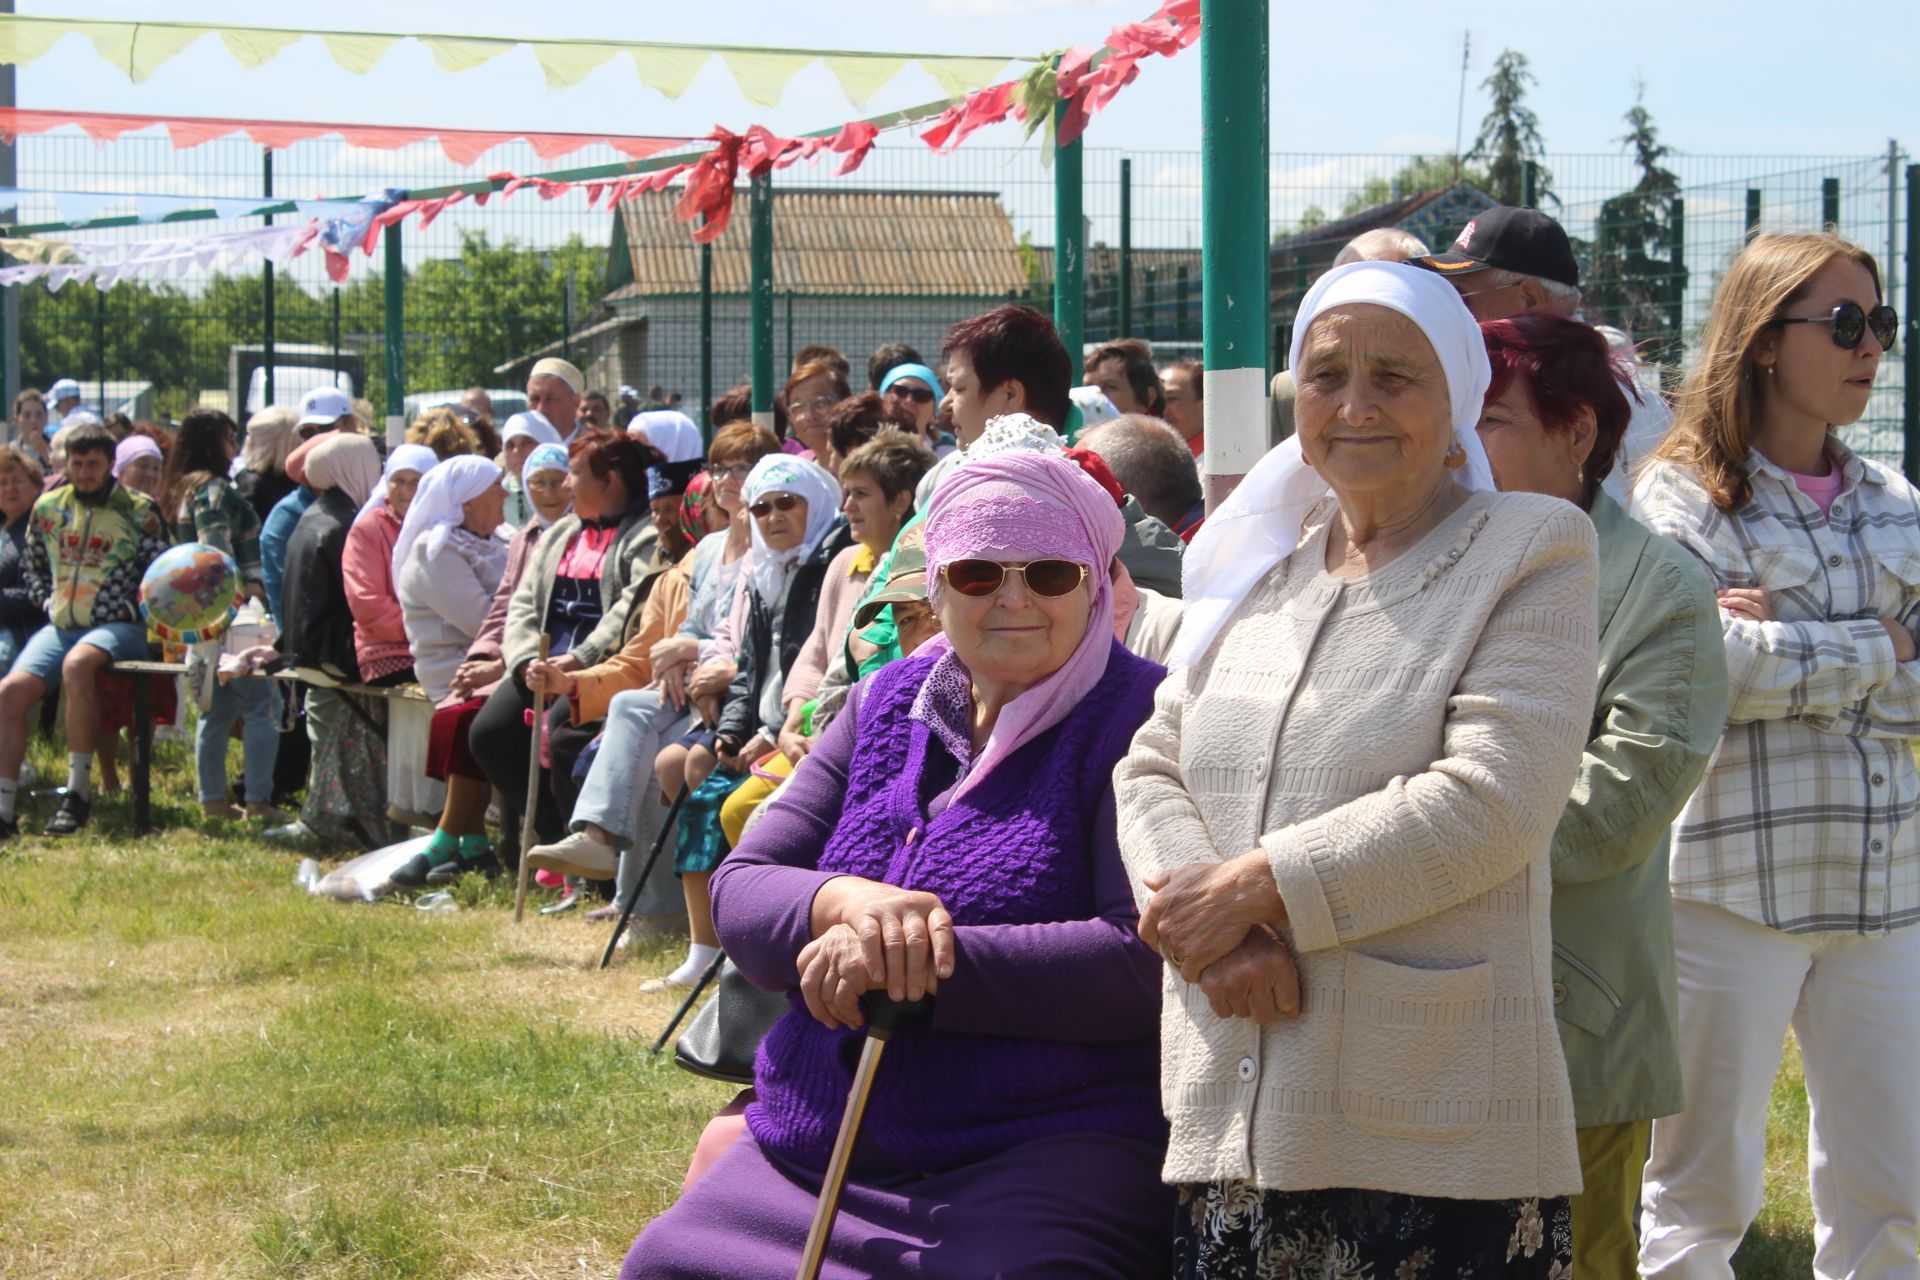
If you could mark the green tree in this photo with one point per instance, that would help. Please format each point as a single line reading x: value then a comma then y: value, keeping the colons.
x: 493, y: 303
x: 1636, y: 282
x: 1510, y: 134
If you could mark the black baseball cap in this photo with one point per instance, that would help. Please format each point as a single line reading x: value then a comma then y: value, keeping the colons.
x: 1521, y: 240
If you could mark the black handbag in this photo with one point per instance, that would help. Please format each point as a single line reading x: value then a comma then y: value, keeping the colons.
x: 722, y: 1038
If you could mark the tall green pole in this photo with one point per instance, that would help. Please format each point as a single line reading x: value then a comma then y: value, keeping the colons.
x: 706, y: 337
x: 1910, y: 357
x: 1069, y: 251
x: 1830, y: 204
x: 267, y: 316
x: 1126, y: 249
x: 1677, y: 286
x: 1233, y: 239
x: 760, y: 267
x: 394, y: 289
x: 1530, y: 185
x: 1753, y: 212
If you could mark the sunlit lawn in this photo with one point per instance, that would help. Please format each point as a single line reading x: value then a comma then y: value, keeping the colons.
x: 208, y: 1072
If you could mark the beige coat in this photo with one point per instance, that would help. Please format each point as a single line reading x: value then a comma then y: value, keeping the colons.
x: 1400, y: 746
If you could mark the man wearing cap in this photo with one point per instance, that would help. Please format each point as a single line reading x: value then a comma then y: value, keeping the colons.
x: 554, y: 389
x: 89, y: 543
x: 1510, y: 260
x: 324, y: 409
x: 66, y: 398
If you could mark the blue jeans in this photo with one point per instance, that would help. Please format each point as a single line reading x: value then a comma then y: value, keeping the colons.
x: 48, y: 648
x: 252, y: 702
x: 636, y: 723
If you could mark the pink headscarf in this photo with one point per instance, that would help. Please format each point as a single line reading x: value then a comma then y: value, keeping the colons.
x: 1044, y: 505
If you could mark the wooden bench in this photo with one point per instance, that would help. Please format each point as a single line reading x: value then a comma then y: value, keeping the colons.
x: 140, y: 745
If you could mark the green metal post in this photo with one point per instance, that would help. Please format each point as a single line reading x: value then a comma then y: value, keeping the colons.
x: 1069, y: 253
x: 267, y: 316
x: 336, y: 333
x: 1126, y: 249
x: 394, y: 287
x: 1677, y: 286
x: 788, y: 295
x: 100, y: 348
x: 1182, y: 287
x: 1753, y: 212
x: 1830, y: 203
x: 1234, y: 292
x: 760, y: 267
x: 1910, y: 357
x: 1530, y: 185
x: 1150, y: 302
x: 706, y: 337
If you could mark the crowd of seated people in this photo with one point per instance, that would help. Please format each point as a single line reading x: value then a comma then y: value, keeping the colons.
x: 1291, y: 896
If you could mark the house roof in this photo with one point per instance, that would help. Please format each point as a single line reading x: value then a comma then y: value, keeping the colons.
x: 833, y: 241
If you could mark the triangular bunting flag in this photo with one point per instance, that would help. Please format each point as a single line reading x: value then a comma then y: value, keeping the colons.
x: 23, y: 39
x: 566, y: 65
x: 357, y: 53
x: 763, y: 77
x: 861, y: 78
x: 152, y: 47
x: 254, y: 47
x: 451, y: 54
x: 958, y: 76
x: 668, y: 71
x: 80, y: 206
x: 113, y: 41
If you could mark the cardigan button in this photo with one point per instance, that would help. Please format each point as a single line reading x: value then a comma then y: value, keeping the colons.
x: 1260, y: 767
x: 1559, y: 993
x: 913, y: 833
x: 1246, y: 1069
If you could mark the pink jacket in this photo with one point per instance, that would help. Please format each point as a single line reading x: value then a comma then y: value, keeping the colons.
x: 379, y: 627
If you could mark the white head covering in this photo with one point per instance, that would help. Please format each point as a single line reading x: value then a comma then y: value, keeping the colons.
x: 435, y: 511
x: 530, y: 423
x: 406, y: 457
x: 1258, y: 526
x: 786, y: 473
x: 671, y: 432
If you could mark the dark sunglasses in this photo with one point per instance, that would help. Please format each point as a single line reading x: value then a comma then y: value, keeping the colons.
x: 1851, y: 323
x: 919, y: 395
x: 1045, y: 578
x: 767, y: 506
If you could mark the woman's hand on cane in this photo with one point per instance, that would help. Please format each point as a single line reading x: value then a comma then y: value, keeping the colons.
x: 906, y: 935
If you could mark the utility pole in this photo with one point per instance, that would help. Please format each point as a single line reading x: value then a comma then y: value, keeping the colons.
x: 1233, y: 239
x: 1891, y: 276
x: 1460, y: 112
x: 10, y: 295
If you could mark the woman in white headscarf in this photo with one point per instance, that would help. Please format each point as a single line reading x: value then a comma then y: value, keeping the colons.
x: 1340, y: 814
x: 446, y: 568
x: 671, y: 432
x: 523, y: 433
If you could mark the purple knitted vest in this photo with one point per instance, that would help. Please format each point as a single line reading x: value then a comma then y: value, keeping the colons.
x: 1016, y: 849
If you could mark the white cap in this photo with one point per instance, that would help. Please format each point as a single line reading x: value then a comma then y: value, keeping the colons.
x: 325, y: 406
x: 64, y: 389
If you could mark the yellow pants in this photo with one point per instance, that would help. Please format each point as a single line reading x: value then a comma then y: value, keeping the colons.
x: 751, y: 794
x: 1612, y: 1158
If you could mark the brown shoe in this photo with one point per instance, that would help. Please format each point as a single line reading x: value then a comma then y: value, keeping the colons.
x: 222, y: 811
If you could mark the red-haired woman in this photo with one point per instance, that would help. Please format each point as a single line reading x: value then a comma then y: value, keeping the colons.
x: 1555, y: 414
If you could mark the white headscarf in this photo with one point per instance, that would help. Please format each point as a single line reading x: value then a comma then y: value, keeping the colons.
x: 1258, y: 526
x: 531, y: 423
x: 671, y: 432
x: 786, y: 473
x: 435, y: 511
x: 406, y: 457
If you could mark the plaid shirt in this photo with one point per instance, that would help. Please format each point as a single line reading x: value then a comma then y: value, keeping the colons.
x: 1805, y: 820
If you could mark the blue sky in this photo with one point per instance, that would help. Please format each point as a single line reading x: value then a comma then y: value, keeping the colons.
x: 1757, y: 78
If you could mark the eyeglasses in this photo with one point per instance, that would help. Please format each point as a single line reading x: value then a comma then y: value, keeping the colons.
x: 721, y: 471
x: 1048, y: 579
x: 919, y: 395
x: 1492, y: 288
x: 807, y: 408
x: 1851, y: 322
x: 781, y: 502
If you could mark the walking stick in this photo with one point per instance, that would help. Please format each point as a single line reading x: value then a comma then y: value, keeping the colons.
x: 713, y: 968
x: 659, y: 843
x: 533, y: 791
x: 883, y: 1015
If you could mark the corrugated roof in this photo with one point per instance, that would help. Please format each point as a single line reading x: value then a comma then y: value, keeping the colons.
x: 836, y: 242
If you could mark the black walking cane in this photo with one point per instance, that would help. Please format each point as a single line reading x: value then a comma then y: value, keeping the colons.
x: 713, y: 970
x: 883, y: 1014
x: 659, y: 843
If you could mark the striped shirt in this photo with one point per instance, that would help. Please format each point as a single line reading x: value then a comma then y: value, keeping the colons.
x: 1805, y: 820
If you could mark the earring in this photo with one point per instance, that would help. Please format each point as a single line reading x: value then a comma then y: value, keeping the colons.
x: 1456, y: 456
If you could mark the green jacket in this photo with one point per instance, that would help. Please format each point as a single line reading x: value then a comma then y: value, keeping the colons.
x: 1661, y: 709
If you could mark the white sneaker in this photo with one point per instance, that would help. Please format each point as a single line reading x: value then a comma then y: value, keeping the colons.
x: 577, y: 855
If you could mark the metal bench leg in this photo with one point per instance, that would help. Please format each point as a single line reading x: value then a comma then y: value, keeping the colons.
x: 140, y: 754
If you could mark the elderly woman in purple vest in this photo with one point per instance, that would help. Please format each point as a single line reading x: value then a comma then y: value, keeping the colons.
x: 953, y: 833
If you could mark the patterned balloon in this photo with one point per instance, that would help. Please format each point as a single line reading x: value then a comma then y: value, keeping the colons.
x: 191, y: 593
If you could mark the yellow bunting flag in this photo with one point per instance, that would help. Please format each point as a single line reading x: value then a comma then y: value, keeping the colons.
x: 357, y: 53
x: 764, y: 76
x: 254, y: 46
x: 24, y: 39
x: 958, y: 77
x: 668, y: 71
x: 861, y: 78
x: 567, y: 64
x: 452, y: 54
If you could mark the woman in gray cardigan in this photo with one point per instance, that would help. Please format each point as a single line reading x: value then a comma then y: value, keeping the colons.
x: 1553, y: 423
x: 577, y: 589
x: 1373, y: 717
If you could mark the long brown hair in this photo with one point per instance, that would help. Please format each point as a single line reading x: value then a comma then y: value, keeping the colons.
x: 1713, y: 416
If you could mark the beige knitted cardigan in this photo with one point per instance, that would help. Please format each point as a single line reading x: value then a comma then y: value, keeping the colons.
x: 1401, y: 746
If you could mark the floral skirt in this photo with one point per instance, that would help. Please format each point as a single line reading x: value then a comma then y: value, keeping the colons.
x: 1236, y: 1231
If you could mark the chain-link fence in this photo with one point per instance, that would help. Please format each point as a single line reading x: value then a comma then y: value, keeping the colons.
x: 897, y: 251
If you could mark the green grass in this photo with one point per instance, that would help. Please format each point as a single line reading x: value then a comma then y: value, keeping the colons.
x: 210, y: 1073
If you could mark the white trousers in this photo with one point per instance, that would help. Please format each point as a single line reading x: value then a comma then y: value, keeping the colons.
x: 1854, y: 1006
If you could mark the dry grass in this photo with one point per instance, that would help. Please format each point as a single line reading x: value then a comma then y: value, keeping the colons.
x: 212, y: 1074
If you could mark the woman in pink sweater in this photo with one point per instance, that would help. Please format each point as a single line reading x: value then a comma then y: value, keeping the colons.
x: 379, y: 629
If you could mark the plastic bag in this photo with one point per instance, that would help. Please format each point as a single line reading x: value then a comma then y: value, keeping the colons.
x: 364, y: 879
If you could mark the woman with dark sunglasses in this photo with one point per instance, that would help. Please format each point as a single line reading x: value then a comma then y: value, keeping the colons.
x: 1796, y: 864
x: 914, y: 387
x: 960, y: 813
